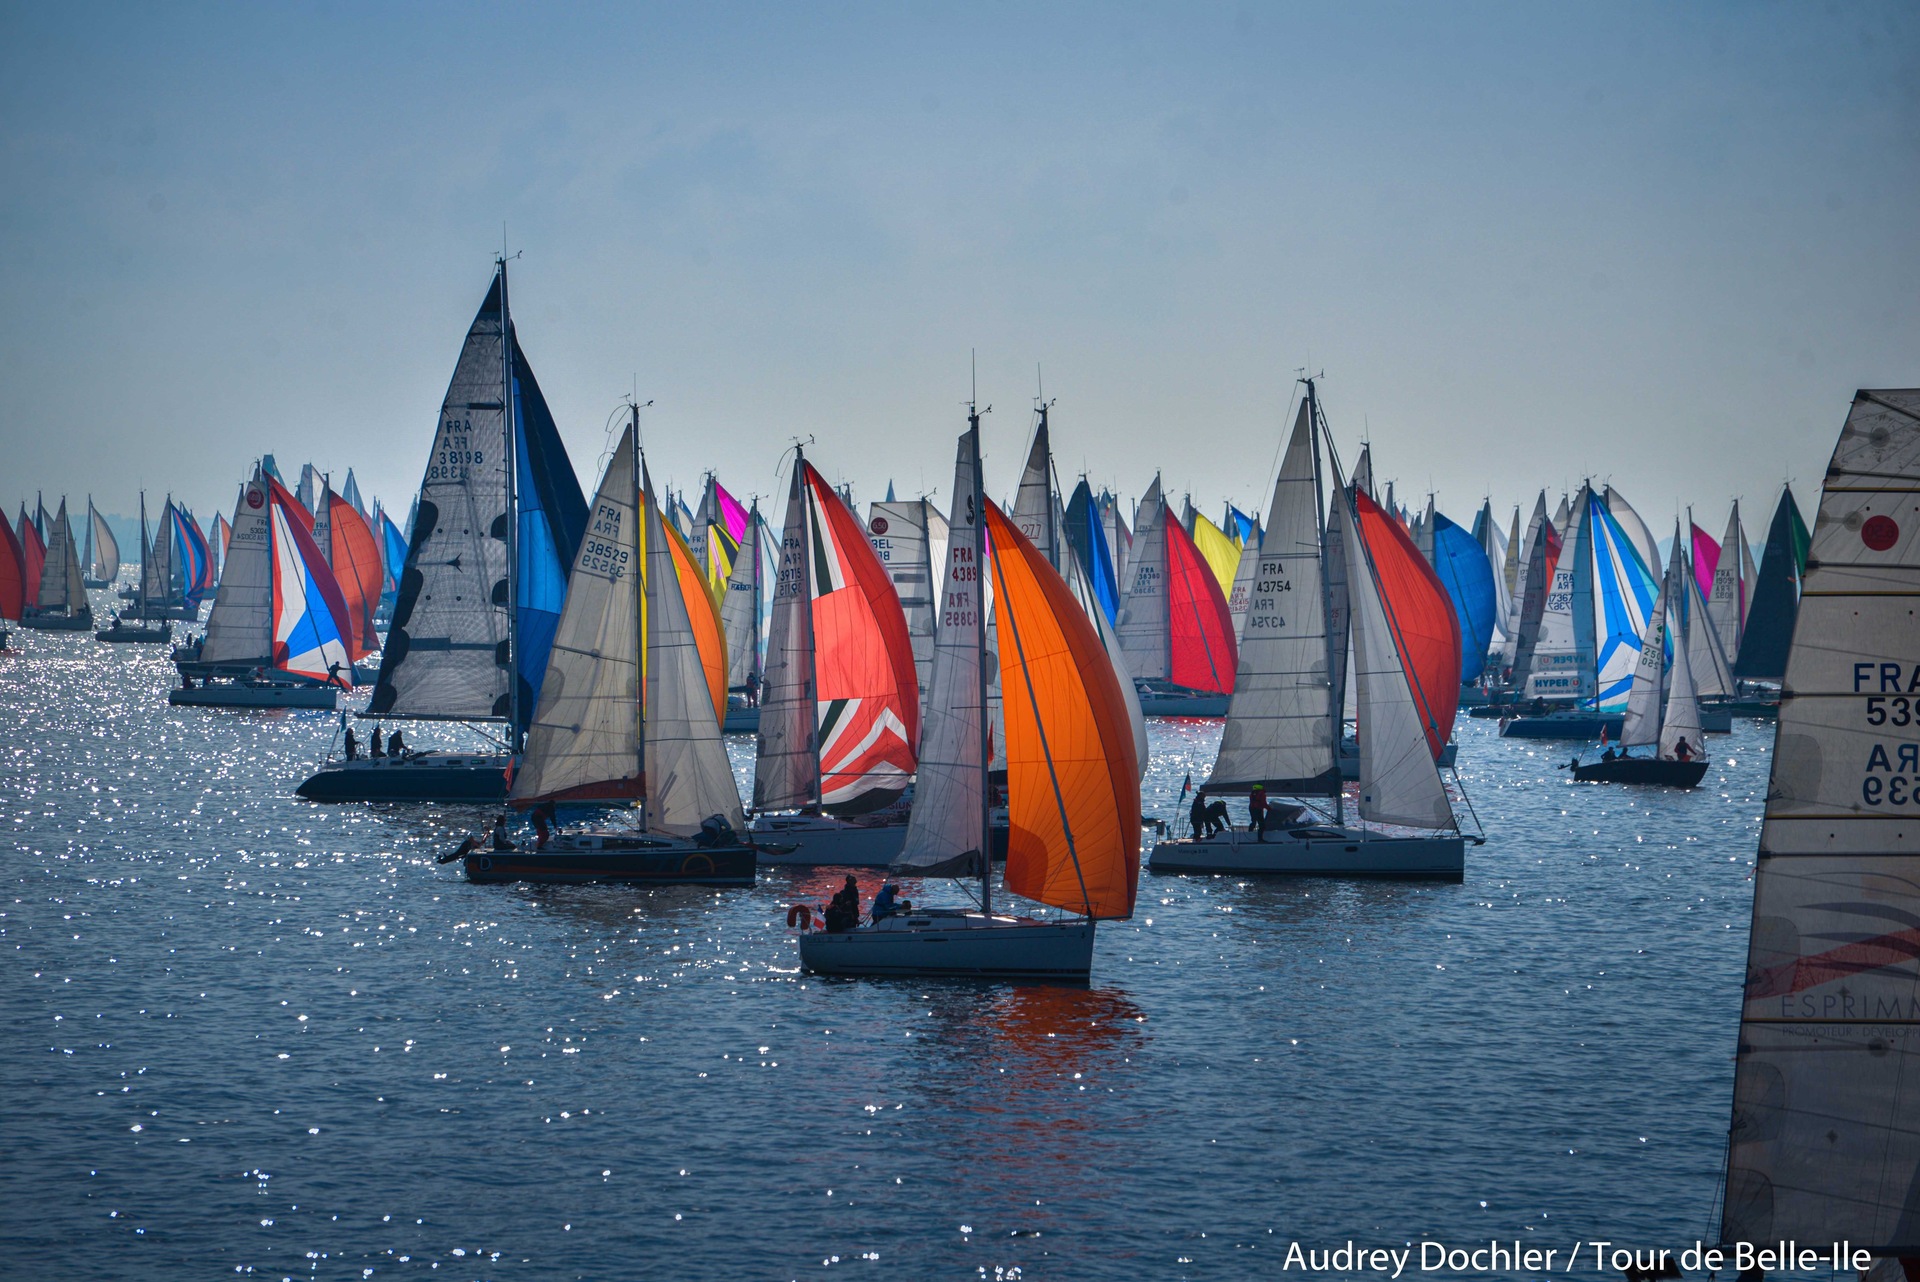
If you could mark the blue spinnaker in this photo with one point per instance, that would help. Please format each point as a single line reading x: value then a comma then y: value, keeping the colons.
x: 1463, y: 568
x: 1623, y: 594
x: 552, y: 517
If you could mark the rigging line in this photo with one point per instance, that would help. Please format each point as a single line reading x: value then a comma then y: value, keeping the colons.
x: 1033, y: 700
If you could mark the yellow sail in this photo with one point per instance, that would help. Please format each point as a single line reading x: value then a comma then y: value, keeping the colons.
x: 1222, y: 553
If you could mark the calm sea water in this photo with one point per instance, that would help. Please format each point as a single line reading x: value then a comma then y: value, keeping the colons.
x: 246, y: 1034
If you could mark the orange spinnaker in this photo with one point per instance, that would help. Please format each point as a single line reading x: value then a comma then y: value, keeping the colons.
x: 1073, y: 789
x: 355, y: 558
x: 13, y: 573
x: 707, y: 632
x: 1425, y: 628
x: 1199, y: 625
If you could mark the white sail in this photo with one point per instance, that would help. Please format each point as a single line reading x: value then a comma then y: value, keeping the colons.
x: 62, y: 586
x: 1119, y: 540
x: 1494, y: 543
x: 159, y: 572
x: 786, y: 769
x: 689, y: 779
x: 445, y: 654
x: 1399, y: 783
x: 1635, y: 529
x: 1824, y: 1143
x: 746, y: 614
x: 1727, y: 605
x: 1363, y: 471
x: 944, y: 833
x: 898, y: 532
x: 1712, y: 670
x: 1682, y: 717
x: 1533, y: 577
x: 1142, y: 622
x: 240, y: 628
x: 323, y: 523
x: 1245, y: 573
x: 1033, y: 503
x: 1640, y: 725
x: 1562, y: 665
x: 1279, y: 728
x: 585, y: 735
x: 106, y: 548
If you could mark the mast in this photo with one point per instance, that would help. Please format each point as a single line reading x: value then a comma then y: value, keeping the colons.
x: 86, y: 560
x: 979, y: 501
x: 508, y: 424
x: 756, y: 662
x: 143, y: 556
x: 639, y: 616
x: 1335, y: 712
x: 806, y: 604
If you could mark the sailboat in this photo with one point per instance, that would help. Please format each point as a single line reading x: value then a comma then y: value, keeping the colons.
x: 1823, y: 1144
x: 277, y: 635
x: 1073, y: 788
x: 1593, y: 622
x: 163, y: 590
x: 1677, y: 730
x: 102, y: 559
x: 840, y: 710
x: 135, y: 626
x: 628, y: 710
x: 907, y: 536
x: 1174, y: 624
x: 33, y: 559
x: 344, y: 538
x: 1776, y: 596
x: 484, y: 580
x: 60, y: 602
x: 747, y: 615
x: 1281, y: 734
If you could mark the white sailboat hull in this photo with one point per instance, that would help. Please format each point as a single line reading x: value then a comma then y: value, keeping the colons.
x: 957, y: 944
x: 807, y: 840
x: 1320, y: 851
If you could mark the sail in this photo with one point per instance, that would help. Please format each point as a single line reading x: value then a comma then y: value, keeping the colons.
x: 195, y: 558
x: 1561, y: 664
x: 1399, y: 783
x: 1280, y: 722
x: 355, y: 559
x: 1641, y: 724
x: 1119, y: 543
x: 1823, y: 1145
x: 222, y: 540
x: 1363, y: 473
x: 1033, y: 503
x: 1712, y: 674
x: 584, y: 742
x: 1539, y: 552
x: 1623, y: 593
x: 747, y: 611
x: 62, y: 586
x: 1246, y: 573
x: 1201, y: 651
x: 351, y: 493
x: 689, y: 779
x: 1776, y: 597
x: 944, y: 829
x: 1425, y: 633
x: 1142, y: 622
x: 786, y: 770
x: 159, y: 575
x: 898, y: 532
x: 1493, y: 544
x: 1706, y: 555
x: 552, y: 518
x: 33, y: 556
x: 308, y: 491
x: 393, y: 552
x: 105, y: 564
x: 1082, y: 588
x: 239, y: 629
x: 310, y: 622
x: 446, y: 652
x: 1219, y: 551
x: 1682, y: 717
x: 1727, y: 600
x: 1073, y: 785
x: 1467, y: 574
x: 13, y: 581
x: 703, y: 621
x: 1087, y: 536
x: 1639, y: 537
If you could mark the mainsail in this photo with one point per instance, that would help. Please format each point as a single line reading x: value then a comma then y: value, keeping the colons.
x: 1280, y: 722
x: 1561, y: 665
x: 1727, y: 601
x: 1142, y: 622
x: 103, y: 562
x: 747, y: 611
x: 239, y: 625
x: 1823, y: 1143
x: 898, y: 531
x: 1776, y: 596
x: 62, y: 583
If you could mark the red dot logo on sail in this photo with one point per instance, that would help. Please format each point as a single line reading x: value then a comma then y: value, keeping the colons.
x: 1879, y: 533
x: 254, y: 496
x: 878, y: 524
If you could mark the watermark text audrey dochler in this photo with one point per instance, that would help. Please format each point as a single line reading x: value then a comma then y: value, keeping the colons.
x: 1618, y: 1259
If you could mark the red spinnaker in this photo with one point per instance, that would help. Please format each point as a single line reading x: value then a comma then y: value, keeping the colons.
x: 13, y: 573
x: 1199, y: 625
x: 1425, y: 628
x: 355, y: 558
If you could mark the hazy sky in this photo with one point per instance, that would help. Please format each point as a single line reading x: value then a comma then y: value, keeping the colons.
x: 1658, y: 244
